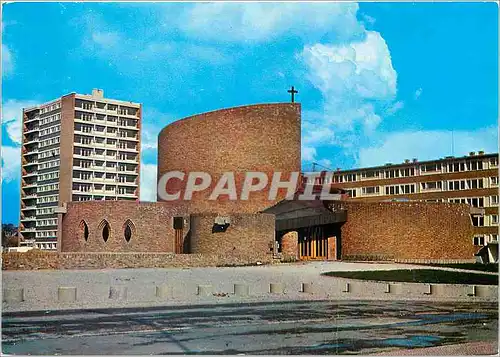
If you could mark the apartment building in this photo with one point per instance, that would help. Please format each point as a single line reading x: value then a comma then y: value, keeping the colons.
x: 471, y: 179
x: 76, y: 148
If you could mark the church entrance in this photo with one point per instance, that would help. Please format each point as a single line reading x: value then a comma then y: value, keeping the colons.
x: 313, y: 243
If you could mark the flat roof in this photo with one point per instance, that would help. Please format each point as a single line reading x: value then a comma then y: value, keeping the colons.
x: 411, y: 163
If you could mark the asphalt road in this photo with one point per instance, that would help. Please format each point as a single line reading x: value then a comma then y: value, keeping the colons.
x: 315, y: 327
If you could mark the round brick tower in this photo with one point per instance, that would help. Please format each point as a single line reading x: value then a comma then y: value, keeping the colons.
x: 254, y: 138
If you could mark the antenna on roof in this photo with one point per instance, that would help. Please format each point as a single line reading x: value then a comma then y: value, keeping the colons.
x: 452, y: 144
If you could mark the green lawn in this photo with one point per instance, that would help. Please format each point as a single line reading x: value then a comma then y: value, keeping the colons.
x: 492, y: 267
x: 419, y: 276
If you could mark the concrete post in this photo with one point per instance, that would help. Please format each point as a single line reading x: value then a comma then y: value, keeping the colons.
x: 276, y: 288
x: 66, y: 294
x: 307, y: 288
x: 204, y: 290
x: 118, y: 292
x: 164, y: 291
x: 241, y: 289
x: 13, y: 295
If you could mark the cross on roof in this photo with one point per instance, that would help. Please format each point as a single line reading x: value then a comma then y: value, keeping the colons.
x: 293, y: 92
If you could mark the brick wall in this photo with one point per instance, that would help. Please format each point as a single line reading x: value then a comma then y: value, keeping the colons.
x: 35, y: 260
x: 407, y: 230
x: 153, y: 227
x: 290, y: 245
x: 248, y: 236
x: 263, y: 138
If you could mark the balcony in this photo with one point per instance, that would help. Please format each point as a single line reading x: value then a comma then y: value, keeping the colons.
x: 30, y: 196
x: 30, y: 185
x: 28, y: 208
x: 30, y: 163
x: 28, y: 229
x: 28, y: 219
x: 30, y: 152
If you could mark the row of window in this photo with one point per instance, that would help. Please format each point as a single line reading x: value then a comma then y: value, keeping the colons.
x: 50, y: 130
x: 49, y: 164
x: 104, y: 229
x: 47, y: 199
x: 50, y: 187
x: 482, y: 239
x: 50, y: 107
x: 48, y: 176
x: 43, y: 211
x: 106, y: 106
x: 112, y: 120
x: 470, y: 165
x: 48, y: 142
x: 46, y: 234
x: 49, y: 153
x: 46, y: 246
x: 46, y: 222
x: 482, y: 221
x: 50, y: 119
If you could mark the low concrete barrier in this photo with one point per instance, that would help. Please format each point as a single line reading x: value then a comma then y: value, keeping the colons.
x: 164, y: 291
x: 13, y: 295
x: 308, y: 288
x: 118, y: 292
x: 66, y: 294
x: 241, y: 289
x: 347, y: 288
x: 204, y: 290
x: 276, y: 288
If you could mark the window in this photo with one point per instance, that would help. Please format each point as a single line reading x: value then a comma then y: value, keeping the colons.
x: 431, y: 185
x: 369, y: 174
x: 351, y: 193
x: 494, y: 181
x: 478, y: 221
x: 370, y: 190
x: 494, y: 219
x: 408, y: 172
x: 494, y: 200
x: 430, y: 168
x: 479, y: 240
x: 128, y: 230
x: 494, y: 161
x: 105, y: 229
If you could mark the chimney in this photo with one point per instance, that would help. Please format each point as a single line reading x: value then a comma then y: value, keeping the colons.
x: 97, y: 93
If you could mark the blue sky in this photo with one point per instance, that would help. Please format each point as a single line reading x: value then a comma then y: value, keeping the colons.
x: 378, y: 82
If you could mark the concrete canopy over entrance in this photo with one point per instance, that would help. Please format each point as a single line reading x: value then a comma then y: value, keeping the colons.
x: 317, y: 228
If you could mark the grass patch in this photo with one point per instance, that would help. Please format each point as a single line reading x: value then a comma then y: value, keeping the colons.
x: 490, y: 267
x: 431, y: 276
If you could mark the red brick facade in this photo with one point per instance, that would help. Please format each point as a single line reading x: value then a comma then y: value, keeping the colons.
x: 151, y: 226
x: 407, y: 230
x: 247, y: 236
x: 263, y: 138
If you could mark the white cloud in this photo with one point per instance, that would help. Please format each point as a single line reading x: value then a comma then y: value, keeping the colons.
x: 11, y: 163
x: 418, y: 93
x: 395, y: 107
x: 308, y: 153
x: 148, y: 182
x: 106, y: 39
x: 12, y: 117
x: 427, y: 145
x: 7, y: 61
x: 153, y: 122
x: 357, y: 81
x: 255, y: 21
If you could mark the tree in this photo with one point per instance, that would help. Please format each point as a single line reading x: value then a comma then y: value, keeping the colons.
x: 10, y: 237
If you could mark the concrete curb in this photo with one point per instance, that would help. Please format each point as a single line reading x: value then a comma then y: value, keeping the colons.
x: 66, y: 294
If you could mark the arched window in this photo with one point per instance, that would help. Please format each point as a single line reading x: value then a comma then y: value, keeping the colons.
x: 85, y: 229
x: 105, y: 229
x: 128, y: 230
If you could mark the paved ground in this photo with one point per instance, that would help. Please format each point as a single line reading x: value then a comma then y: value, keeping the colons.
x: 40, y: 287
x: 316, y: 327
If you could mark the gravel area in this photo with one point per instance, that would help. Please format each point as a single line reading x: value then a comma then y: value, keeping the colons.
x: 40, y: 287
